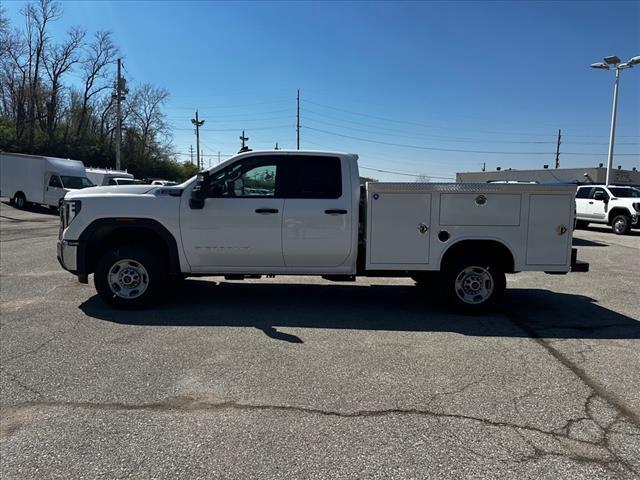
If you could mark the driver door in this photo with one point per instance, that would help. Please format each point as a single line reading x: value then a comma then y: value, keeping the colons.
x: 240, y: 225
x: 53, y: 191
x: 598, y: 203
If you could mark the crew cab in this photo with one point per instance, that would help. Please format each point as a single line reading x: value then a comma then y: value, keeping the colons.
x: 616, y: 206
x: 305, y: 213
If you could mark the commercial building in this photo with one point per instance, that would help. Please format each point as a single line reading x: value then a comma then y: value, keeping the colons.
x: 553, y: 175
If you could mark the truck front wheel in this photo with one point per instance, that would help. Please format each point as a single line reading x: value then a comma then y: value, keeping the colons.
x: 621, y: 224
x: 474, y: 285
x: 130, y: 276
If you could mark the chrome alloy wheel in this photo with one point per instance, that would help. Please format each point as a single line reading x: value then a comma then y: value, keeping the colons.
x: 474, y: 285
x: 620, y: 225
x: 128, y: 279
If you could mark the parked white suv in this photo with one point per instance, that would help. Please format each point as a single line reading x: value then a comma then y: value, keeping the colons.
x: 617, y: 206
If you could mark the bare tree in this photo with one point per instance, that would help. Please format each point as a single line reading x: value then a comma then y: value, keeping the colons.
x: 95, y: 66
x: 58, y: 62
x: 147, y: 117
x: 37, y: 16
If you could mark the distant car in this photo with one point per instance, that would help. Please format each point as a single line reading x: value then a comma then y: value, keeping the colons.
x: 164, y: 183
x: 617, y: 206
x: 125, y: 181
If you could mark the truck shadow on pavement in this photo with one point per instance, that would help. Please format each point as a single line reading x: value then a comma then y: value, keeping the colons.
x: 524, y: 313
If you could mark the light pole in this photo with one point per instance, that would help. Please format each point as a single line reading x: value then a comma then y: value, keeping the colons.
x: 613, y: 61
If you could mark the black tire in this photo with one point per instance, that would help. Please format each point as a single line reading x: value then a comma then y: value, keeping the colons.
x: 621, y: 224
x: 20, y: 201
x: 582, y: 224
x: 491, y: 282
x: 156, y: 277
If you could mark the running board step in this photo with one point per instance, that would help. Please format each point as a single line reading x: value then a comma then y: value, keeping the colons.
x: 241, y: 277
x: 340, y: 278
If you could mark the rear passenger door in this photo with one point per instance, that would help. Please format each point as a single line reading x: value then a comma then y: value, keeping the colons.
x: 318, y: 215
x: 582, y: 202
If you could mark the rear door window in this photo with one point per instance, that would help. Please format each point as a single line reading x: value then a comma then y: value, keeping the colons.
x: 583, y: 192
x: 312, y: 177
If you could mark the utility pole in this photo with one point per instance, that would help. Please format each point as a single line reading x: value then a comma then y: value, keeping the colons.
x: 558, y: 149
x: 484, y: 166
x: 191, y: 153
x: 120, y: 89
x: 298, y: 121
x: 198, y: 123
x: 218, y: 157
x: 277, y: 148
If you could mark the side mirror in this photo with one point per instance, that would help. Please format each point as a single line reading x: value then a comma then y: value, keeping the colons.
x: 199, y: 192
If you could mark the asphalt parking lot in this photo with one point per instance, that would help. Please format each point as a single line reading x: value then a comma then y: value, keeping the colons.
x: 302, y: 378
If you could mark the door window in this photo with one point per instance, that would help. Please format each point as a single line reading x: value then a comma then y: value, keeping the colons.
x: 605, y: 195
x: 312, y: 177
x: 54, y: 181
x: 583, y: 192
x: 253, y: 177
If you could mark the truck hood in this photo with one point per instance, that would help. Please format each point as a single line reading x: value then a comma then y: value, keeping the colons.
x: 111, y: 190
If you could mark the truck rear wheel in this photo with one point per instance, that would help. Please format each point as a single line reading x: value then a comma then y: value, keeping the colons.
x: 621, y: 224
x: 20, y: 201
x: 130, y: 276
x: 474, y: 285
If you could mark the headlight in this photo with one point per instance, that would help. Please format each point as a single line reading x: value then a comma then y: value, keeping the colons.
x: 70, y: 210
x: 637, y: 206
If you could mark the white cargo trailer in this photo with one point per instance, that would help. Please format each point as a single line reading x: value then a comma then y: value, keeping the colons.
x: 37, y: 179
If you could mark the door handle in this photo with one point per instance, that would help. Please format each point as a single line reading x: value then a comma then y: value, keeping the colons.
x: 264, y: 211
x: 590, y: 203
x: 336, y: 211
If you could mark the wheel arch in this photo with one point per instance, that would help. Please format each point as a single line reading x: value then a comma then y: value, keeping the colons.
x: 105, y: 233
x: 490, y: 247
x: 617, y: 211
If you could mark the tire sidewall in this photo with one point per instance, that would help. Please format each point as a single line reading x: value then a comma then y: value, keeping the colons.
x: 20, y: 201
x: 451, y: 273
x: 155, y: 267
x: 627, y: 224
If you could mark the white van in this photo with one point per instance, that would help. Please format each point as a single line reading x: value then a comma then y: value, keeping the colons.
x: 102, y: 176
x: 37, y: 179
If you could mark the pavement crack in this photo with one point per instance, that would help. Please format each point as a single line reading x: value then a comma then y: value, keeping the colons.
x: 612, y: 399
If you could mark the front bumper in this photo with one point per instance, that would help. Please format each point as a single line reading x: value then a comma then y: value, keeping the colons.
x: 68, y: 255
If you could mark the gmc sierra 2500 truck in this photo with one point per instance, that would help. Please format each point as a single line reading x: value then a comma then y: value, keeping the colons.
x: 305, y: 213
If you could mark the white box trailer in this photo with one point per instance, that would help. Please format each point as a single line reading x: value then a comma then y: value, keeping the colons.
x: 104, y: 176
x: 38, y: 179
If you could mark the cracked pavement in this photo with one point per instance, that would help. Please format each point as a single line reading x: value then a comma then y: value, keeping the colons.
x: 304, y: 378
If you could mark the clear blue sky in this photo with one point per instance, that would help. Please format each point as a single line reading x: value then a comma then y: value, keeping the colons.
x: 482, y: 76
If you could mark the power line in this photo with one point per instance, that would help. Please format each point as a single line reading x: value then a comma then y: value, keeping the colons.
x: 443, y: 137
x: 419, y: 147
x: 386, y: 119
x: 395, y: 172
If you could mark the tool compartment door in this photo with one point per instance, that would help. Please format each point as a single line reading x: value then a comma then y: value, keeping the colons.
x: 397, y: 232
x: 550, y: 218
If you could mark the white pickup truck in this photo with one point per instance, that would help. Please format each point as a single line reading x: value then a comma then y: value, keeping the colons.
x: 617, y: 206
x: 305, y: 213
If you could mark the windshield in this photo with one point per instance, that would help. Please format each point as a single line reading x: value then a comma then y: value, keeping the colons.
x: 625, y: 192
x: 76, y: 182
